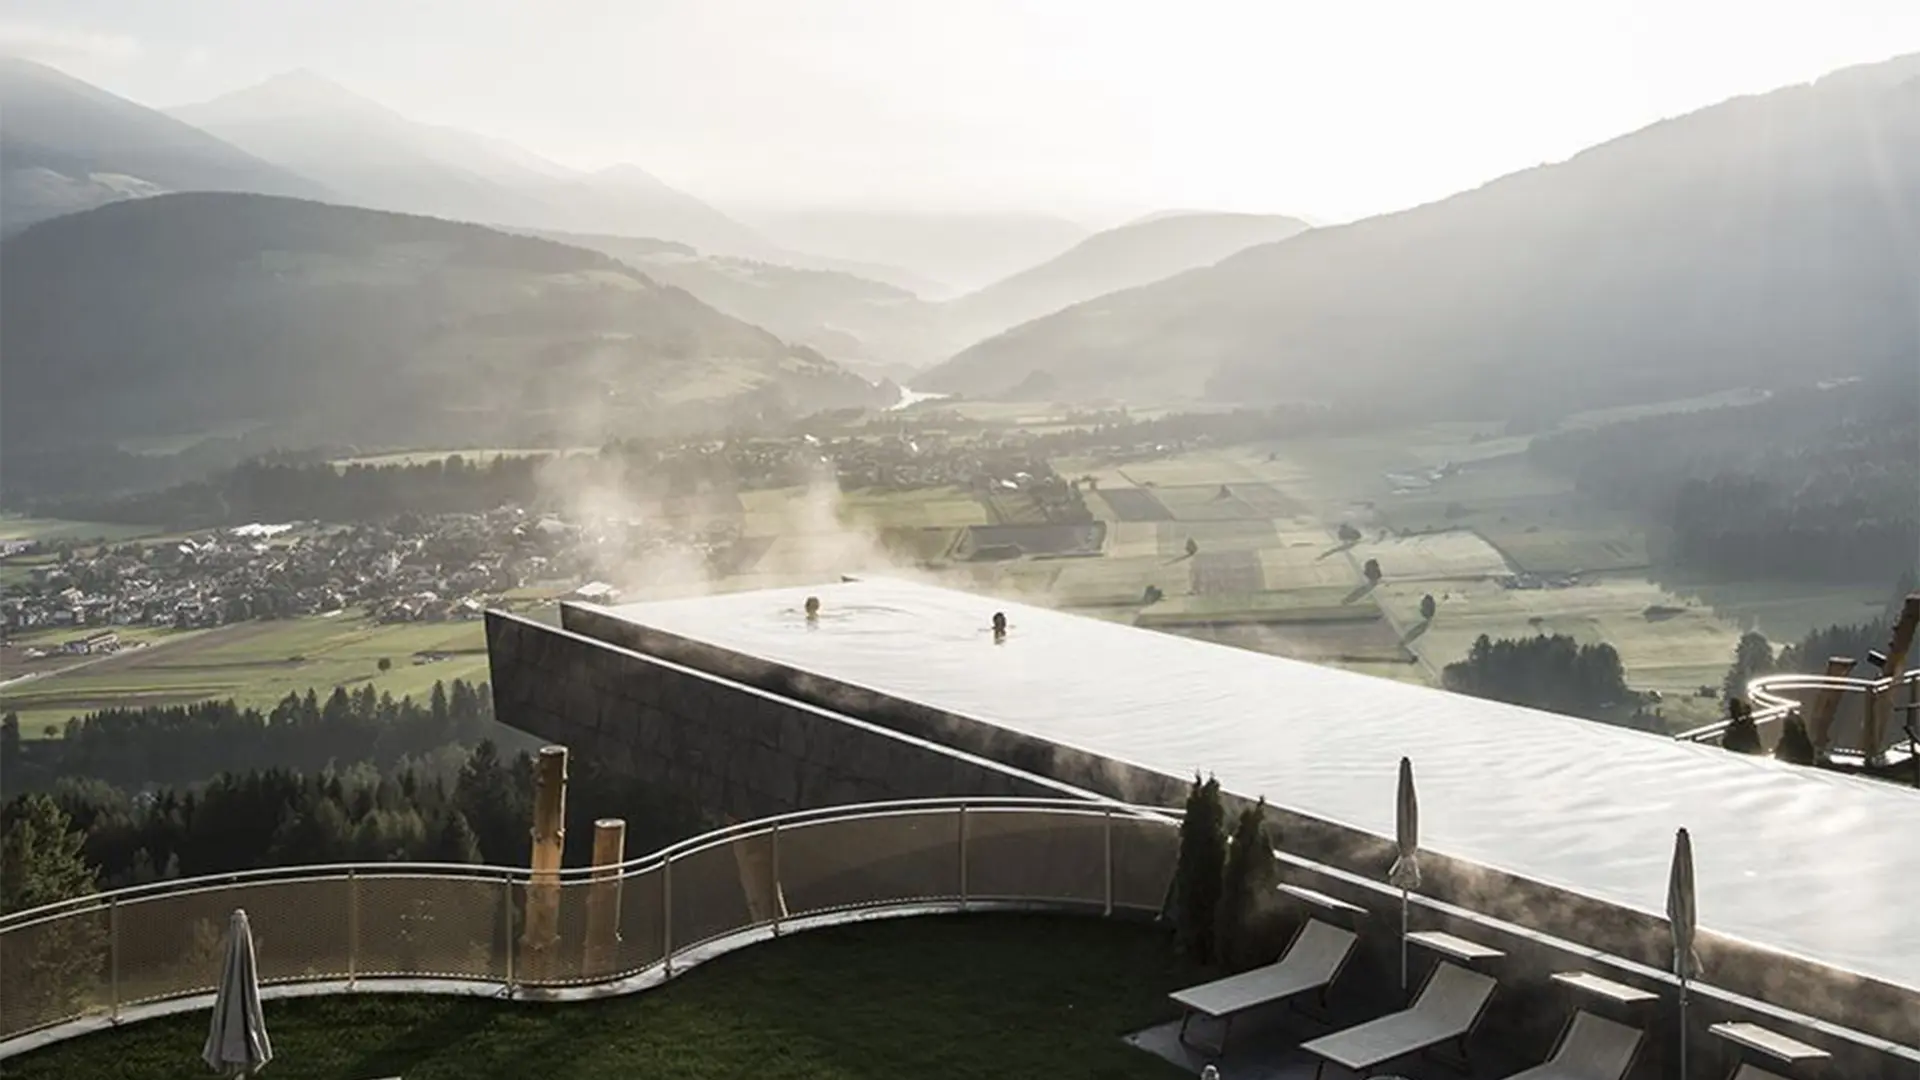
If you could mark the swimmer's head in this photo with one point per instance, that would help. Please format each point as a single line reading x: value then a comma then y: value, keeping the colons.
x: 813, y: 607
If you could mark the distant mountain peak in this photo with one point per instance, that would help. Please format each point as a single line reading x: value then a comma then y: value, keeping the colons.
x: 299, y: 92
x: 304, y: 79
x: 1162, y: 215
x: 1145, y: 250
x: 68, y: 145
x: 626, y: 174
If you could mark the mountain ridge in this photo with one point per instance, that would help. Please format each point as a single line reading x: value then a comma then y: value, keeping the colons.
x: 68, y: 145
x: 333, y: 322
x: 1701, y: 252
x: 377, y: 156
x: 1137, y: 253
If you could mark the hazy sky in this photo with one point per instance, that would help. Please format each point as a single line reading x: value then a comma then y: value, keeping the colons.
x: 1094, y: 107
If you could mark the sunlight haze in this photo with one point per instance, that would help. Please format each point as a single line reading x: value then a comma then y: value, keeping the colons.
x: 1098, y: 110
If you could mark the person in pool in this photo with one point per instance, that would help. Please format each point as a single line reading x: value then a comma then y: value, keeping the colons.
x: 813, y: 609
x: 999, y: 626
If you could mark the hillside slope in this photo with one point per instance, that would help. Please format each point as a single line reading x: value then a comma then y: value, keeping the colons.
x: 874, y: 328
x: 1119, y: 258
x: 67, y: 145
x: 959, y: 251
x: 376, y: 157
x: 1766, y: 238
x: 188, y: 313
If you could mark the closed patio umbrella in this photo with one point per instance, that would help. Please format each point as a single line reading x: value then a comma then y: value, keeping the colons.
x: 1406, y: 865
x: 1681, y: 917
x: 237, y: 1042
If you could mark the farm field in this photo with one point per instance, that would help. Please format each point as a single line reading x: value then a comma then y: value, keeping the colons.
x: 14, y: 663
x: 471, y: 457
x: 255, y: 663
x: 1664, y: 643
x: 1783, y: 611
x: 1454, y: 510
x: 48, y: 529
x: 1448, y: 556
x: 1269, y: 573
x: 1618, y: 414
x: 1492, y: 515
x: 173, y: 444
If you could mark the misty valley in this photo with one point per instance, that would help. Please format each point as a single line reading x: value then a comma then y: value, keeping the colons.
x: 335, y: 435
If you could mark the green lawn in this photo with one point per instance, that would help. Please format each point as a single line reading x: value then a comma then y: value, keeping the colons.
x: 981, y: 996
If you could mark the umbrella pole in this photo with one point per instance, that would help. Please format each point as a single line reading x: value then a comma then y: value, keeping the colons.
x: 1403, y: 942
x: 1683, y: 1028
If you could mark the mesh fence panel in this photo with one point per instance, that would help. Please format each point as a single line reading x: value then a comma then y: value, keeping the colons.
x: 175, y: 943
x: 301, y: 929
x: 709, y: 896
x: 551, y: 944
x: 427, y: 926
x: 642, y: 921
x: 1144, y: 854
x: 55, y: 970
x: 861, y: 862
x: 1028, y: 855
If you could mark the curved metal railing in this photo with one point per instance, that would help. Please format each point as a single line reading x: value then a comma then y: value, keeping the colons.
x: 1852, y: 701
x: 581, y: 932
x: 76, y: 966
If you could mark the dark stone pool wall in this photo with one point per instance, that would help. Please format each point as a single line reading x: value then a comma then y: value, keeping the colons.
x: 1877, y: 1008
x: 738, y: 753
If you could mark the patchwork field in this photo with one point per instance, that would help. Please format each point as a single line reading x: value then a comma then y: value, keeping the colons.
x: 942, y: 507
x: 1724, y: 399
x: 1305, y: 559
x: 1114, y: 580
x: 1343, y: 644
x: 1455, y: 510
x: 1299, y: 607
x: 1435, y: 557
x: 49, y: 529
x: 14, y: 663
x: 471, y: 457
x: 1133, y: 504
x: 1665, y: 643
x: 255, y: 663
x: 1783, y: 611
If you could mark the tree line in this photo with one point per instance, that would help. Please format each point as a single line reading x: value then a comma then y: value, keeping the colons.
x: 1754, y: 655
x: 162, y: 745
x: 85, y: 835
x: 1810, y: 485
x: 212, y: 484
x: 1555, y: 673
x: 269, y: 489
x: 300, y: 486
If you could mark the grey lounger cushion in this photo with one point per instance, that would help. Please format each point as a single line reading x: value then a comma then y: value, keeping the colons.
x: 1448, y: 1007
x: 1594, y: 1048
x: 1311, y: 962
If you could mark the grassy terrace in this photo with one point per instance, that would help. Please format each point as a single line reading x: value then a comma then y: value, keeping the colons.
x: 982, y: 996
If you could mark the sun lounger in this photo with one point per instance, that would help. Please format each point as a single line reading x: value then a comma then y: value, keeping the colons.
x: 1591, y: 1048
x: 1448, y: 1008
x: 1312, y: 962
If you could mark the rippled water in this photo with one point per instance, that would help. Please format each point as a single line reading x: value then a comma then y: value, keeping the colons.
x: 1813, y: 863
